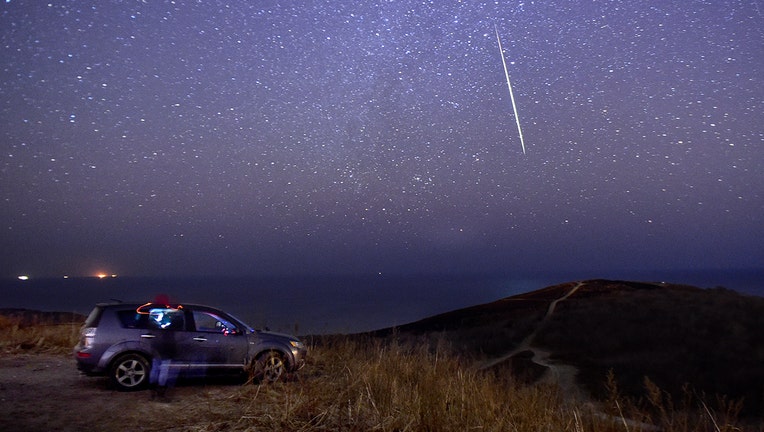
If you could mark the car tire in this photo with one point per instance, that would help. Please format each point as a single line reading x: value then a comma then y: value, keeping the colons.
x: 130, y: 372
x: 269, y: 367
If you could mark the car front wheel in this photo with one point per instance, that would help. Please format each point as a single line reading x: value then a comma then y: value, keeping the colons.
x: 130, y: 372
x: 269, y: 367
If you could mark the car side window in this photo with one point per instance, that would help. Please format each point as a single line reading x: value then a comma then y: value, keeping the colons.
x: 166, y: 319
x: 132, y: 319
x: 213, y: 323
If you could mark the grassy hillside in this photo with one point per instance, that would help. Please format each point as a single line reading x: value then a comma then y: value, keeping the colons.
x: 680, y: 338
x: 442, y: 373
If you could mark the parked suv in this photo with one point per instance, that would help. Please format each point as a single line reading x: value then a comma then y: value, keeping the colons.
x: 124, y: 340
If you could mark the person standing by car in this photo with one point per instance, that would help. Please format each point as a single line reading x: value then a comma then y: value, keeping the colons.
x: 167, y: 322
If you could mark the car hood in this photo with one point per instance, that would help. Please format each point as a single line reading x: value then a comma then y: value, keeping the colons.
x: 275, y: 334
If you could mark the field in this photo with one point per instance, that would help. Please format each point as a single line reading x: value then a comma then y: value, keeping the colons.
x: 352, y: 383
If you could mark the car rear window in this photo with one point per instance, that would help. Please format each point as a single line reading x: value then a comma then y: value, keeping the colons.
x: 94, y: 317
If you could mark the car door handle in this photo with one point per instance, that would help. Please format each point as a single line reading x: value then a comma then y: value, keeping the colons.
x: 200, y: 339
x: 148, y: 336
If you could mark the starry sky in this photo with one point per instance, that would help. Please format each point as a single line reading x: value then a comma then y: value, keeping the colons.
x: 336, y: 137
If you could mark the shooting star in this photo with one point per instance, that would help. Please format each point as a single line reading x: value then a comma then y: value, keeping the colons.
x: 509, y: 85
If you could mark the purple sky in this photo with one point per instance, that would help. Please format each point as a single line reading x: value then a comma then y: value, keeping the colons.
x: 262, y: 137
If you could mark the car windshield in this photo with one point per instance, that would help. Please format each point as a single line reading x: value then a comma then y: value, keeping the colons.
x: 243, y: 324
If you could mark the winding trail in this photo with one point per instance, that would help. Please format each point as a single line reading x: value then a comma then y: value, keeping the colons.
x: 563, y: 375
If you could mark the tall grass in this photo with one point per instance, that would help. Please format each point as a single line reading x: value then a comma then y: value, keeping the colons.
x: 370, y: 385
x: 18, y: 335
x: 657, y: 410
x: 382, y: 384
x: 373, y: 385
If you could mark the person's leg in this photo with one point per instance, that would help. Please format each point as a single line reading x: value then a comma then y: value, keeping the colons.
x: 164, y: 373
x: 154, y: 376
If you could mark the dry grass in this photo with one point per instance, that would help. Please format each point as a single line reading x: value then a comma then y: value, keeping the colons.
x: 364, y: 384
x: 368, y: 385
x: 381, y: 384
x: 18, y: 334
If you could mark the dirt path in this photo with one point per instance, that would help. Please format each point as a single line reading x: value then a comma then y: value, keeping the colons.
x: 562, y: 375
x: 42, y: 392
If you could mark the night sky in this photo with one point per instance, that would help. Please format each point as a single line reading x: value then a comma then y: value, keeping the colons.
x: 327, y: 137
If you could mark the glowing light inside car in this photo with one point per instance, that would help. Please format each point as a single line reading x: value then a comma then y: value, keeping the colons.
x: 145, y: 308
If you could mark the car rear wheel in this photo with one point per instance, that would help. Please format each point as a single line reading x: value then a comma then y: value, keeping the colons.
x: 130, y: 372
x: 269, y: 367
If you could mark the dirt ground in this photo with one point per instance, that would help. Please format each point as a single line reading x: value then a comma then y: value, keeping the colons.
x: 43, y: 392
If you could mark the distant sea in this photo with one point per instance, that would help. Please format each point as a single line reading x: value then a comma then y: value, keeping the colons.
x: 330, y: 304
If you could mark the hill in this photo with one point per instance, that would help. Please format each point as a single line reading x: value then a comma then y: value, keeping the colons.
x: 676, y: 337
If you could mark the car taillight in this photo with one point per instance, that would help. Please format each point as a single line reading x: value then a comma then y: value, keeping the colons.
x: 87, y: 336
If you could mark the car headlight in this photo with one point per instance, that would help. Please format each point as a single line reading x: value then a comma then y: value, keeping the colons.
x: 297, y: 344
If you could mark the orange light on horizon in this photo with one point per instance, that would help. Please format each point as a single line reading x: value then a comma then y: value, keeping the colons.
x: 101, y: 275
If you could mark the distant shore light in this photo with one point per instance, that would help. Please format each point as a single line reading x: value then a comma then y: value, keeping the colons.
x: 23, y: 277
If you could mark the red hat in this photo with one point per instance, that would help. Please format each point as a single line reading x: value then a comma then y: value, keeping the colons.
x: 162, y: 299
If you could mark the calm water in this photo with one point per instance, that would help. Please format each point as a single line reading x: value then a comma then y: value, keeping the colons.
x: 327, y: 304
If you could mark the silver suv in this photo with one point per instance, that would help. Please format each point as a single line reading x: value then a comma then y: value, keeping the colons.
x: 124, y: 341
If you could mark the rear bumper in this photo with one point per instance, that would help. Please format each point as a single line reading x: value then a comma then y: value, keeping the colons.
x: 86, y: 363
x: 88, y: 370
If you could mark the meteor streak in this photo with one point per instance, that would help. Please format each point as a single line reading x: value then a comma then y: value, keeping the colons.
x: 509, y: 85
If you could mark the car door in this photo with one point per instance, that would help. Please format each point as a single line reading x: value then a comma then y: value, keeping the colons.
x: 164, y: 329
x: 215, y: 341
